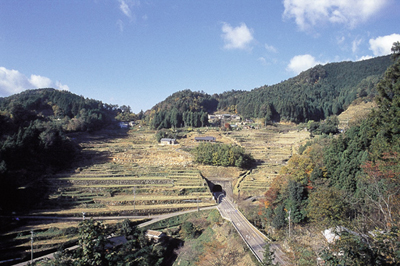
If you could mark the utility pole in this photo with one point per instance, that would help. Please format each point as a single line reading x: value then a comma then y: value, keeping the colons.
x: 31, y: 246
x: 134, y: 197
x: 83, y: 216
x: 289, y: 222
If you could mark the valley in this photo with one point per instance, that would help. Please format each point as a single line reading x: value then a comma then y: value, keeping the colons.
x: 126, y: 173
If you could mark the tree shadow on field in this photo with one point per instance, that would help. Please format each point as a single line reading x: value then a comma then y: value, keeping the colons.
x: 89, y: 154
x: 93, y: 150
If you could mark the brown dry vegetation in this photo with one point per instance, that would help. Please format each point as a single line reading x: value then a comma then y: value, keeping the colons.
x: 357, y: 111
x: 271, y: 147
x: 130, y: 173
x: 221, y: 246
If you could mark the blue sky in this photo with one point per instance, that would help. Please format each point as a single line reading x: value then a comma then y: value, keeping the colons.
x: 137, y: 53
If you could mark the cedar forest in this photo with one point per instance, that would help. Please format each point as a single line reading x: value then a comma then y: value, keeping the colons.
x: 348, y: 180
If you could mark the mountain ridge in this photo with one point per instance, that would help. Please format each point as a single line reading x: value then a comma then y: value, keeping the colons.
x: 314, y: 94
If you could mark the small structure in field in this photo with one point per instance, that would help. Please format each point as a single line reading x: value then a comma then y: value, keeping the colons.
x: 167, y: 141
x: 123, y: 124
x: 154, y: 235
x: 116, y: 241
x: 207, y: 139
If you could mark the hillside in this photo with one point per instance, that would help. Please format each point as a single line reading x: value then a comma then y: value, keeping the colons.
x: 33, y: 139
x: 349, y: 182
x: 75, y: 112
x: 314, y: 94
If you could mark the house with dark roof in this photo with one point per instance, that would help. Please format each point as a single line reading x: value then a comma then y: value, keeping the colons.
x: 207, y: 139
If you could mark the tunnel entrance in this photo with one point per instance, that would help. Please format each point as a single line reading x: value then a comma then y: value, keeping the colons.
x: 220, y: 187
x: 217, y: 188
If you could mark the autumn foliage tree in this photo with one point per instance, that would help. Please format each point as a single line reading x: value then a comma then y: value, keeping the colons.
x: 375, y: 198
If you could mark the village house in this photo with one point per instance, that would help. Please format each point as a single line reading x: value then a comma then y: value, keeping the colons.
x: 154, y: 235
x: 235, y: 117
x: 167, y: 141
x: 207, y: 139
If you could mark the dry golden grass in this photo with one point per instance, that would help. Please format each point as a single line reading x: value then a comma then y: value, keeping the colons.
x: 271, y: 147
x: 137, y: 155
x: 355, y: 113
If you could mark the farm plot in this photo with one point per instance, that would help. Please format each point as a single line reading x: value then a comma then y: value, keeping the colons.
x: 271, y: 148
x: 355, y: 112
x: 138, y: 177
x: 110, y: 193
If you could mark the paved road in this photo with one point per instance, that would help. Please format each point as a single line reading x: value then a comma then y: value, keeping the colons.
x: 251, y: 235
x: 153, y: 218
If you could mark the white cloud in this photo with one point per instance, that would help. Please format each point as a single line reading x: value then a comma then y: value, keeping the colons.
x: 365, y: 57
x: 382, y: 45
x: 120, y: 25
x: 355, y: 44
x: 237, y: 38
x: 301, y: 62
x: 12, y: 81
x: 271, y: 48
x: 125, y: 8
x: 340, y: 40
x: 40, y: 82
x: 262, y: 60
x: 309, y: 13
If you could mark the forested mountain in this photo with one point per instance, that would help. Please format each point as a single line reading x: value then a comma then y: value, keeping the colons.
x: 76, y: 112
x: 314, y: 94
x: 33, y: 140
x: 349, y: 183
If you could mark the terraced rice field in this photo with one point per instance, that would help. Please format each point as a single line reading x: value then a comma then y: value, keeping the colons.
x: 272, y: 148
x: 356, y: 111
x: 105, y: 193
x: 130, y: 174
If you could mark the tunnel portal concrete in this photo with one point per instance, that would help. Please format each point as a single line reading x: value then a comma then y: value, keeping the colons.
x: 218, y: 186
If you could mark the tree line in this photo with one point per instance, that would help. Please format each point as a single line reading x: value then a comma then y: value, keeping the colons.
x: 175, y: 119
